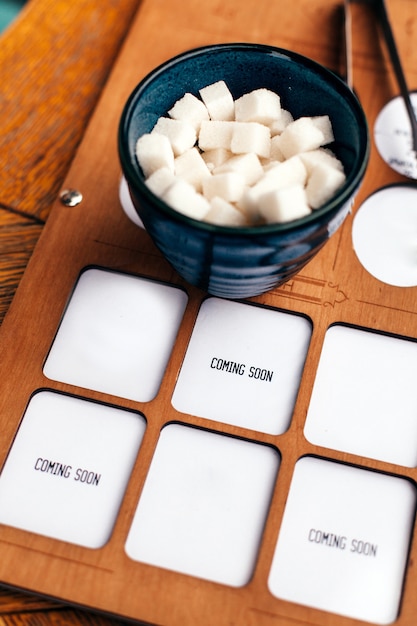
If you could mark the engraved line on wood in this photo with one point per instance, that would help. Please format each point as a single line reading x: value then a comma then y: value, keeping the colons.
x: 326, y: 293
x: 386, y: 306
x: 57, y: 556
x: 112, y: 244
x: 278, y: 616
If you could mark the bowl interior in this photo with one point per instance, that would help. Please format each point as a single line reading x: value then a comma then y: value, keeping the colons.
x: 305, y: 88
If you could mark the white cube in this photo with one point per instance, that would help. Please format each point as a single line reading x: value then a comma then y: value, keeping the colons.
x: 159, y: 181
x: 229, y: 186
x: 288, y: 173
x: 284, y: 205
x: 181, y: 135
x: 323, y: 123
x: 259, y: 105
x: 277, y: 176
x: 224, y: 213
x: 219, y: 101
x: 251, y: 137
x: 276, y: 153
x: 322, y: 184
x: 215, y: 134
x: 248, y: 165
x: 189, y: 109
x: 277, y: 126
x: 300, y: 136
x: 321, y: 155
x: 249, y: 206
x: 154, y: 151
x: 184, y: 198
x: 191, y: 167
x: 215, y: 157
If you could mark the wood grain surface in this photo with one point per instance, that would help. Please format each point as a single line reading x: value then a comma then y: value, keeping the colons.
x: 54, y: 62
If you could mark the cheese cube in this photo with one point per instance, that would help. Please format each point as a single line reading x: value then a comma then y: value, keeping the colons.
x: 284, y: 205
x: 224, y: 213
x: 300, y: 136
x: 159, y: 181
x: 322, y: 184
x: 219, y: 101
x: 277, y: 126
x: 259, y: 105
x: 181, y: 135
x: 251, y: 137
x: 215, y: 157
x: 184, y: 198
x: 189, y: 109
x: 191, y: 167
x: 215, y: 134
x: 247, y: 164
x: 229, y: 186
x: 154, y: 151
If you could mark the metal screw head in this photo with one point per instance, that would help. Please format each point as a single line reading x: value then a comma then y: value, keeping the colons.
x: 70, y: 197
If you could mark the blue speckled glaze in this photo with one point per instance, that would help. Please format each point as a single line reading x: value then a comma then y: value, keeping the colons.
x: 243, y: 262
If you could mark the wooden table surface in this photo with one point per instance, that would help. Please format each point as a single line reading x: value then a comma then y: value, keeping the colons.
x: 54, y: 61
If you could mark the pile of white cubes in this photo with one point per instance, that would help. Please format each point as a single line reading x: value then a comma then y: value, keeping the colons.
x: 240, y: 162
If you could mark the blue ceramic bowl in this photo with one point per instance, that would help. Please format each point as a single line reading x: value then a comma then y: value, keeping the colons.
x: 237, y: 262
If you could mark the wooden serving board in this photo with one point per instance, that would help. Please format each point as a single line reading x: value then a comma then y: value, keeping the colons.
x: 230, y: 477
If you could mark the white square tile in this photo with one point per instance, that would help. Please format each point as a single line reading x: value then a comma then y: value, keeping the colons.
x: 204, y: 505
x: 117, y: 334
x: 344, y: 540
x: 243, y: 365
x: 66, y: 473
x: 364, y: 400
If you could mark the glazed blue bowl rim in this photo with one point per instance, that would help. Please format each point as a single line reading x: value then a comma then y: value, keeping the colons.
x: 134, y: 178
